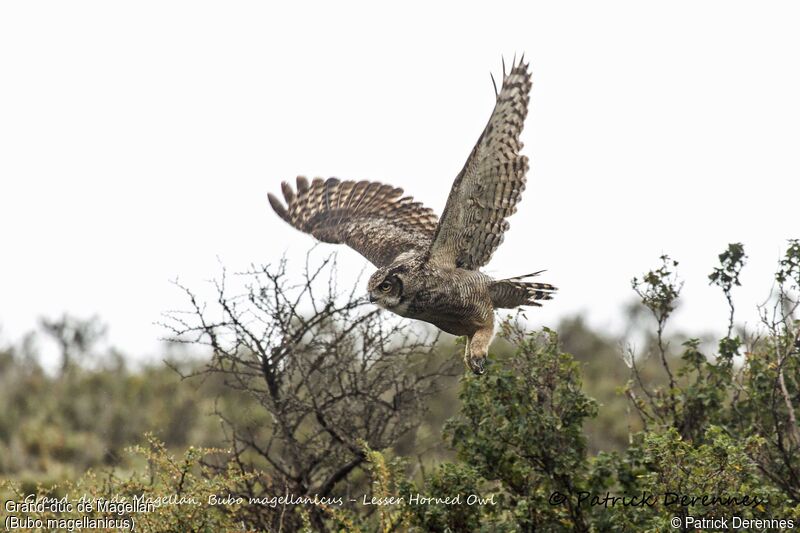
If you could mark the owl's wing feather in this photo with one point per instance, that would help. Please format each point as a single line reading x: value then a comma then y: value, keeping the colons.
x: 490, y: 185
x: 372, y: 218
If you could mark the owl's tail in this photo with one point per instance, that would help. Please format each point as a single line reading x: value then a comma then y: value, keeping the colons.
x: 513, y: 292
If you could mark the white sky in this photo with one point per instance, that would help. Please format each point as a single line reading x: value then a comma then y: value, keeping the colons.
x: 138, y: 141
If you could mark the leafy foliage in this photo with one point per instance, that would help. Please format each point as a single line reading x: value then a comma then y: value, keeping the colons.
x: 521, y: 425
x: 171, y: 494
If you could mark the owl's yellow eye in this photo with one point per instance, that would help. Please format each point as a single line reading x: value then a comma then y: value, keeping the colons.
x: 385, y: 286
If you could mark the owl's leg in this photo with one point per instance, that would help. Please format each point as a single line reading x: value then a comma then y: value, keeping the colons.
x: 478, y: 348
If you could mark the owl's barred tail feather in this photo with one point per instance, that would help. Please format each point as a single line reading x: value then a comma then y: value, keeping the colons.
x: 513, y: 292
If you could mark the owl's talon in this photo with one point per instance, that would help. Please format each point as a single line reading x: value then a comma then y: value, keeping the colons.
x: 477, y: 365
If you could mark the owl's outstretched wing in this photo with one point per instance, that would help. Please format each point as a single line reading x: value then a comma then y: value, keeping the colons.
x: 490, y: 185
x: 370, y: 217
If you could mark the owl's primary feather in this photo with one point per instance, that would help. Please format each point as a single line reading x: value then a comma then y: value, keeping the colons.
x: 428, y: 268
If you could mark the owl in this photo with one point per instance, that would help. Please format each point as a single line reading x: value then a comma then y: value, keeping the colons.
x: 428, y: 268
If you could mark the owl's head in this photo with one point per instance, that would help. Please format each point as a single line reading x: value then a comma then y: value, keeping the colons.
x: 386, y: 288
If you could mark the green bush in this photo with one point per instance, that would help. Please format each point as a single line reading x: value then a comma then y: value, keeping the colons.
x: 167, y: 494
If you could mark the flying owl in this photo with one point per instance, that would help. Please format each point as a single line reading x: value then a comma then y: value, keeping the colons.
x: 428, y: 268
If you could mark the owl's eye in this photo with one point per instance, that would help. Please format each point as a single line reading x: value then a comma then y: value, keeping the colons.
x: 385, y: 286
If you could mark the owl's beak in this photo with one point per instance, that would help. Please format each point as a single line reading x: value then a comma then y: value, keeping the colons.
x: 371, y: 298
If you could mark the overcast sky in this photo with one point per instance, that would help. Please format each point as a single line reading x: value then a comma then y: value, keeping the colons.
x: 139, y: 140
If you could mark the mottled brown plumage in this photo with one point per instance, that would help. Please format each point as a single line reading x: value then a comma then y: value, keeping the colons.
x: 428, y: 268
